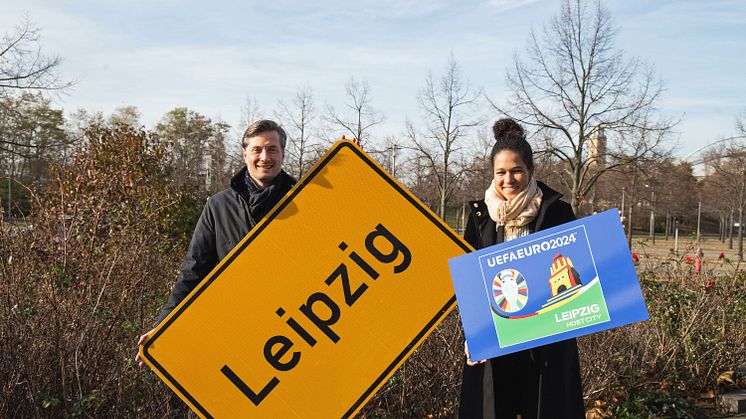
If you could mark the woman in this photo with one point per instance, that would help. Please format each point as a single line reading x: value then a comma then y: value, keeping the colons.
x: 540, y: 382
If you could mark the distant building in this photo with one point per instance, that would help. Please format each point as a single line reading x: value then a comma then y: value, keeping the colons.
x: 564, y: 276
x: 597, y: 148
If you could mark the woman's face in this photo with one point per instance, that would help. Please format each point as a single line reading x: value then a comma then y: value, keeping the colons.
x: 511, y: 174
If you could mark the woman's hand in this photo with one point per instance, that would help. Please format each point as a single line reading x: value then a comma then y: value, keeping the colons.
x: 468, y: 357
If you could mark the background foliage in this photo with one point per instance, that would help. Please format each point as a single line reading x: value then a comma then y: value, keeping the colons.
x: 84, y: 276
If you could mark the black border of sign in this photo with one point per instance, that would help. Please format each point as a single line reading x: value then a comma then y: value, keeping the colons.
x: 255, y: 232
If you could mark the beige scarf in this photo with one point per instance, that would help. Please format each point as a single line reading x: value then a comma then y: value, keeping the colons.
x: 517, y: 213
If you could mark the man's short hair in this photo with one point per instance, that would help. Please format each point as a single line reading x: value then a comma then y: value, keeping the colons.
x: 261, y: 126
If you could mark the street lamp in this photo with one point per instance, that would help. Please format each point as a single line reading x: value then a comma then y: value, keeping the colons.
x: 652, y: 212
x: 699, y: 218
x: 652, y: 215
x: 394, y: 148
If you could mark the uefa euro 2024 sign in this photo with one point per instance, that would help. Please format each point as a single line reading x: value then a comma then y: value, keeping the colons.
x: 570, y: 280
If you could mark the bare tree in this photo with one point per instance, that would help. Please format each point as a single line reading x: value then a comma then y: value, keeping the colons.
x: 32, y: 135
x: 23, y: 66
x: 713, y: 183
x: 417, y: 175
x: 250, y: 112
x: 447, y: 104
x: 297, y: 119
x: 724, y: 184
x: 390, y: 155
x: 126, y: 115
x: 478, y: 174
x: 741, y: 125
x: 191, y: 138
x: 729, y: 181
x: 574, y: 86
x: 360, y: 115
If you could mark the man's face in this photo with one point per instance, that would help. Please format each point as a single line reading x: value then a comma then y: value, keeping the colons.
x: 263, y: 156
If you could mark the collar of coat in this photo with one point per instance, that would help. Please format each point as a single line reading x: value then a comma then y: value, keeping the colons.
x: 480, y: 212
x: 238, y: 181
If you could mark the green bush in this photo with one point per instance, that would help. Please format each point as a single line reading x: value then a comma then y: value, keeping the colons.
x: 85, y: 277
x: 695, y: 333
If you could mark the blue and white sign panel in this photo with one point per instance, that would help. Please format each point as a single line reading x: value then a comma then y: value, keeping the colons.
x: 566, y: 281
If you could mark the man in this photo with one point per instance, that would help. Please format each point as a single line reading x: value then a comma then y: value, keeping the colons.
x: 229, y: 215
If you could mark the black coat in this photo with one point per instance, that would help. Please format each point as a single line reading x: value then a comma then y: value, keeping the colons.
x: 540, y: 382
x: 225, y: 220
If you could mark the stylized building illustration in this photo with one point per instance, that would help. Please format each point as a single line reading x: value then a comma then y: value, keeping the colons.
x: 564, y: 276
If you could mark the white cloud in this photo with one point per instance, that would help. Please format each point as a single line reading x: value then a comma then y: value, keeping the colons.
x: 503, y: 5
x: 209, y: 56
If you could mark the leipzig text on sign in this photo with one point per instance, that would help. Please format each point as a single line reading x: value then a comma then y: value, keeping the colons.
x: 318, y: 305
x: 563, y: 282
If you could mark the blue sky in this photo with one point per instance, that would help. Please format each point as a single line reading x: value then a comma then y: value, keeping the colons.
x: 209, y: 56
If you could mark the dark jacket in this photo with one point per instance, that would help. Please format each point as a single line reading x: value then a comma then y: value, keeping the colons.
x: 225, y: 220
x: 540, y: 382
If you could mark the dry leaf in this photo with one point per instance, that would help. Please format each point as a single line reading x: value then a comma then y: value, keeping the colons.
x: 710, y: 394
x: 595, y: 413
x: 665, y: 385
x: 725, y: 378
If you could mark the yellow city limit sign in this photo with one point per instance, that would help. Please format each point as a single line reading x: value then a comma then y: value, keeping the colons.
x: 318, y: 305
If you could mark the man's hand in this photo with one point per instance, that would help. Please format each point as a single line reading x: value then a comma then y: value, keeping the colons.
x: 140, y: 362
x: 355, y: 141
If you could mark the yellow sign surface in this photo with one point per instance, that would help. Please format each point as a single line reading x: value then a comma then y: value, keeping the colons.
x: 318, y: 305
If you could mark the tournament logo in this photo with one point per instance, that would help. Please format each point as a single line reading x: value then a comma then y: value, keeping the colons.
x: 509, y: 291
x: 566, y: 292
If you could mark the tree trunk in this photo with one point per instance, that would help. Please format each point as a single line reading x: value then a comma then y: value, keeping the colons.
x: 575, y: 204
x: 575, y: 201
x: 301, y: 151
x: 721, y: 230
x: 442, y: 206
